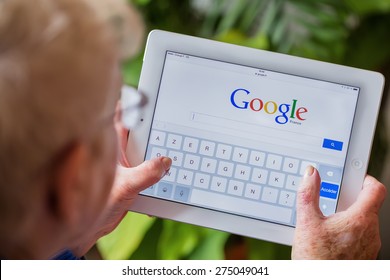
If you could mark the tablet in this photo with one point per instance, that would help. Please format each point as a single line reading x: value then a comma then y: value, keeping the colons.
x: 241, y: 125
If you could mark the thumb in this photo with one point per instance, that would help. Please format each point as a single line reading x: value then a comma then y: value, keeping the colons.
x: 136, y: 179
x: 308, y: 196
x: 371, y: 197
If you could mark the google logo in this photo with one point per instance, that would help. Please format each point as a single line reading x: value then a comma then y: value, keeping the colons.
x: 269, y: 107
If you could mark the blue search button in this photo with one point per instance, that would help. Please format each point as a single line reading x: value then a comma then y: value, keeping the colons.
x: 332, y: 144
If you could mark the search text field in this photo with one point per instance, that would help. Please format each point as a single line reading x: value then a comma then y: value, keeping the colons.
x: 263, y: 133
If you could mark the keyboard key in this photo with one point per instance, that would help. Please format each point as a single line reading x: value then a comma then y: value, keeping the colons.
x: 327, y: 206
x: 292, y: 182
x: 242, y: 172
x: 257, y: 158
x: 208, y: 165
x: 287, y: 198
x: 252, y: 191
x: 158, y: 152
x: 269, y: 195
x: 181, y: 193
x: 225, y: 168
x: 207, y: 148
x: 150, y: 190
x: 330, y: 173
x: 276, y: 179
x: 157, y: 138
x: 306, y: 164
x: 274, y: 162
x: 170, y: 176
x: 259, y: 176
x: 164, y: 190
x: 235, y: 187
x: 218, y: 184
x: 290, y: 165
x: 174, y: 141
x: 240, y: 155
x: 241, y: 206
x: 202, y: 180
x: 185, y: 177
x: 177, y: 158
x: 223, y: 151
x: 190, y: 145
x: 191, y: 162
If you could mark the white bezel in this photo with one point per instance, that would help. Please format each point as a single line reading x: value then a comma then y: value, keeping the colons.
x: 371, y: 87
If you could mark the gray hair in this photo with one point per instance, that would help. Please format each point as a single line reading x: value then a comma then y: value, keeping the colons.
x: 48, y: 49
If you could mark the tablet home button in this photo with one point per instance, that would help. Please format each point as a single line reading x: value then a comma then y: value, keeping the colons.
x: 357, y: 163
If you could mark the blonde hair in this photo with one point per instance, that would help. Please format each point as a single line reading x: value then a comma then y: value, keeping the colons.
x: 50, y: 51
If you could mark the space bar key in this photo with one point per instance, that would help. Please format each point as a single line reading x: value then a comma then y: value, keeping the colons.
x: 241, y: 206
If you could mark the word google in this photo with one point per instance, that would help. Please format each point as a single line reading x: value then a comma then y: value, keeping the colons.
x: 270, y: 107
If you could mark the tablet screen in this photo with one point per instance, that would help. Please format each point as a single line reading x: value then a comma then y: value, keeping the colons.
x: 241, y: 137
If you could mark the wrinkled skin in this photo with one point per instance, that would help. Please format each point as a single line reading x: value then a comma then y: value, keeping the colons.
x: 129, y: 181
x: 350, y: 234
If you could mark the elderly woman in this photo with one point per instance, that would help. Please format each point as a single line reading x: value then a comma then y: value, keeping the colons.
x: 59, y: 86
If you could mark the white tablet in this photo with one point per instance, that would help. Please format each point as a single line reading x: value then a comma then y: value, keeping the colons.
x: 241, y: 125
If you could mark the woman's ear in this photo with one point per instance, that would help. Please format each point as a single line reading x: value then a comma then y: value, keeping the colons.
x: 69, y: 185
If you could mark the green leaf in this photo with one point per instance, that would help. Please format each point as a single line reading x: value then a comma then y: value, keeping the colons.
x: 236, y: 37
x: 279, y: 32
x: 365, y: 7
x: 147, y: 249
x: 139, y: 2
x: 232, y: 15
x: 177, y: 240
x: 131, y: 70
x: 368, y: 45
x: 211, y: 18
x: 263, y: 250
x: 232, y: 37
x: 211, y: 247
x: 268, y: 18
x: 260, y: 41
x: 121, y: 243
x: 251, y: 14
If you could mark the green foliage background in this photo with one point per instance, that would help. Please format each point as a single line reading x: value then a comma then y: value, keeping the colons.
x: 350, y: 32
